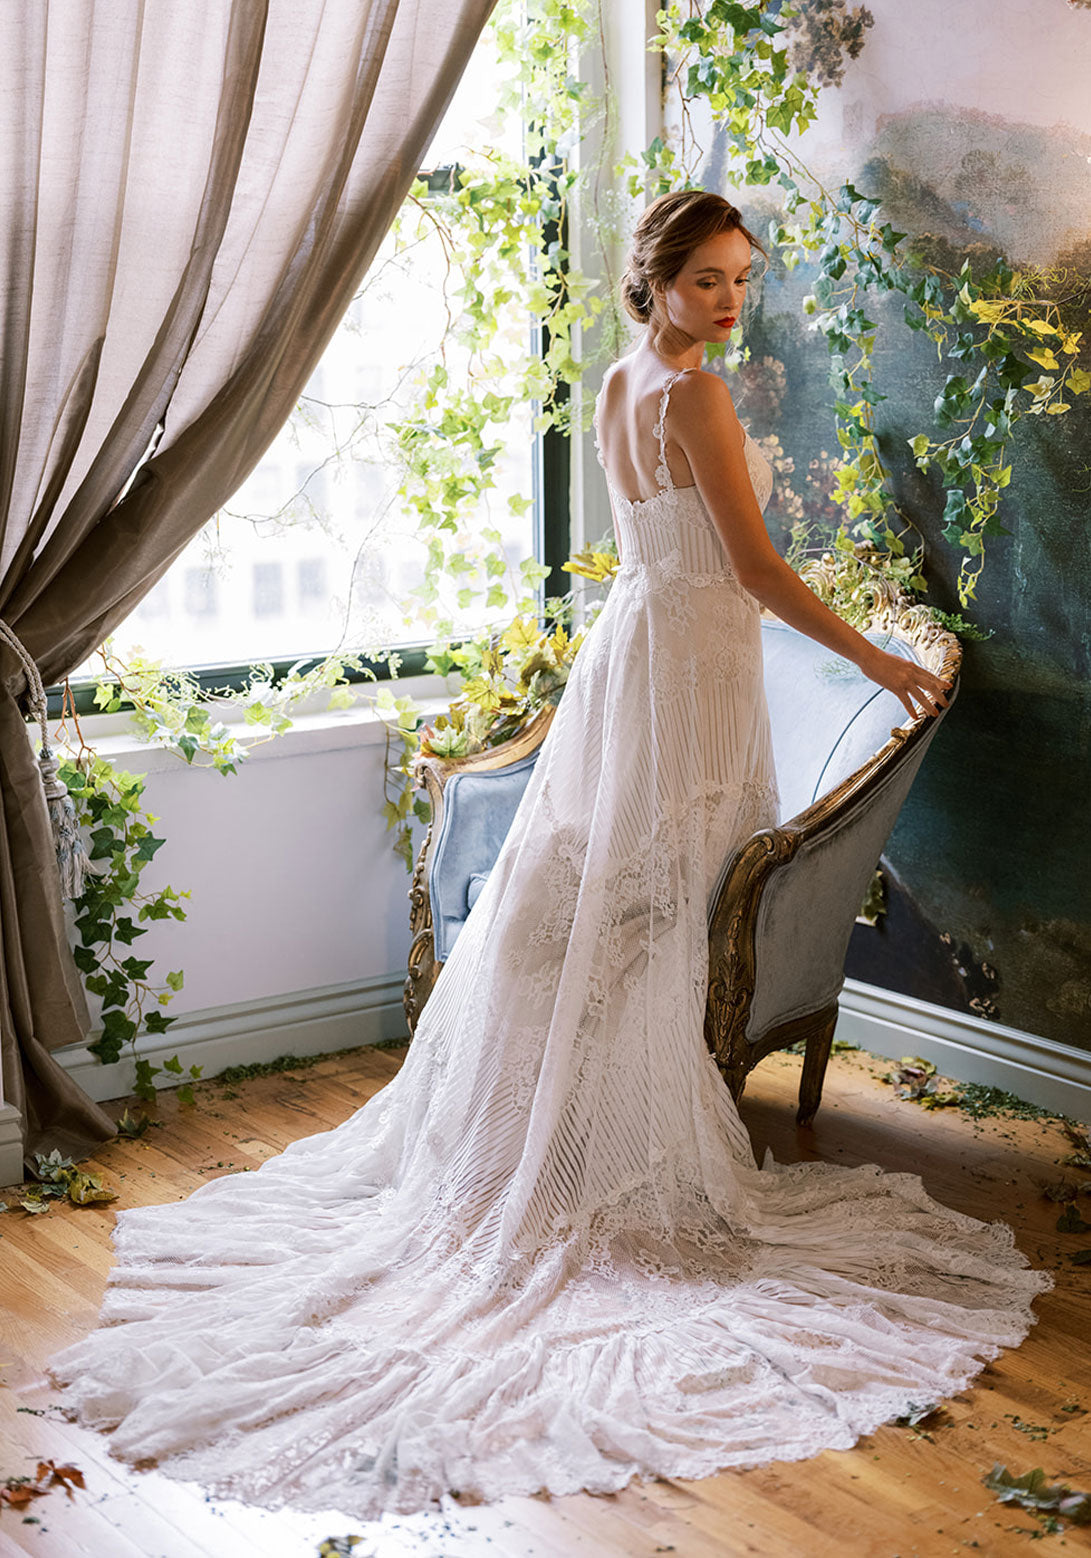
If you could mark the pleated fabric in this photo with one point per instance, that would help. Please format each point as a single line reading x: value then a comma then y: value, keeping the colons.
x: 543, y: 1257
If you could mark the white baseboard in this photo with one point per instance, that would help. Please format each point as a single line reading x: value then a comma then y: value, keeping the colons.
x: 968, y: 1048
x: 308, y: 1022
x: 305, y: 1022
x: 11, y: 1145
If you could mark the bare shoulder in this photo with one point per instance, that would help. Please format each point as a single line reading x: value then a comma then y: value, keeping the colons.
x: 696, y: 389
x: 704, y: 409
x: 613, y: 388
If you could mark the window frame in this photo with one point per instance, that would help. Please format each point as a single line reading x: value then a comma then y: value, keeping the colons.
x: 551, y: 530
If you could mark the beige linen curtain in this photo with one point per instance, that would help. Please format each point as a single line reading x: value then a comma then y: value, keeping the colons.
x: 190, y: 194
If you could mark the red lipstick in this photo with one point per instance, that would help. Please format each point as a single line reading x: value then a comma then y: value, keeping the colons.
x: 727, y: 323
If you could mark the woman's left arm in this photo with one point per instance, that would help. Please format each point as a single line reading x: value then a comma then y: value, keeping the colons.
x: 710, y: 436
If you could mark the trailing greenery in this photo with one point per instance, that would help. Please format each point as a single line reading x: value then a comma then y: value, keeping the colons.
x: 168, y: 709
x: 1002, y: 338
x: 112, y: 914
x: 507, y: 675
x: 501, y: 223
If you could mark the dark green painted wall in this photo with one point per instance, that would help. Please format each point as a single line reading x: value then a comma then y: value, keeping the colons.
x: 990, y: 864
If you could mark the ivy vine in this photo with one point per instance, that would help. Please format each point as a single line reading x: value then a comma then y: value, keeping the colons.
x: 1003, y: 337
x: 112, y: 914
x: 170, y: 709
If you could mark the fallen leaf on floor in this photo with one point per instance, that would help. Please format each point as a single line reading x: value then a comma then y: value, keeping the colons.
x: 60, y: 1180
x: 1065, y: 1189
x: 928, y: 1414
x: 1033, y: 1492
x: 132, y: 1125
x: 1032, y: 1430
x: 1081, y: 1140
x: 17, y: 1492
x: 1070, y: 1220
x: 915, y: 1079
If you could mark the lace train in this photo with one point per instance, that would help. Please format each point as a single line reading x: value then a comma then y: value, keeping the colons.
x: 543, y: 1258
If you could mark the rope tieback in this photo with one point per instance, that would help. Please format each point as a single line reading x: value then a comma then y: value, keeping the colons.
x: 72, y: 859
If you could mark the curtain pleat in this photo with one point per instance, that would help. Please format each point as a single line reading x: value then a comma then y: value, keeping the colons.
x: 189, y: 198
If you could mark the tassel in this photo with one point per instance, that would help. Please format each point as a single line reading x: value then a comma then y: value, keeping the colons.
x: 73, y: 861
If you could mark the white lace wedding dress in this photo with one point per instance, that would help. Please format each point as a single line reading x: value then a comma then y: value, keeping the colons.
x: 543, y: 1257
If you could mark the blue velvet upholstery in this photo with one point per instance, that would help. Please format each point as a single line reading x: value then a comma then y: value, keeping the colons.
x: 808, y: 910
x: 477, y: 812
x: 827, y: 720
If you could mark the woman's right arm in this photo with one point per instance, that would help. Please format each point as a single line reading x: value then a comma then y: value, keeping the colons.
x: 704, y: 424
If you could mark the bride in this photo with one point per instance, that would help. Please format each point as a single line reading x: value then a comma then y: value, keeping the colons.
x: 543, y: 1257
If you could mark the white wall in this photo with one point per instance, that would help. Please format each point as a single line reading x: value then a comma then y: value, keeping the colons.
x: 294, y: 883
x: 297, y: 927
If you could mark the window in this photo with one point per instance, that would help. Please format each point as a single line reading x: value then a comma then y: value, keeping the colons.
x: 202, y: 596
x: 157, y: 602
x: 315, y: 551
x: 311, y: 586
x: 268, y: 596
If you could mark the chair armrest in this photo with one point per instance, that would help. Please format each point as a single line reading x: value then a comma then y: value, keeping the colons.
x: 781, y: 921
x: 432, y: 911
x: 806, y: 915
x: 432, y: 773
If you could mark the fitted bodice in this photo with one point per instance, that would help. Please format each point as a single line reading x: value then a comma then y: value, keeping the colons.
x: 674, y: 520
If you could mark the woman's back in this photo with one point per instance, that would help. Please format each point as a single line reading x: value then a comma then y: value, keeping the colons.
x: 629, y: 419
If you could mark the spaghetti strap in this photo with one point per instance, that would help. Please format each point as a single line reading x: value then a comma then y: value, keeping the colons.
x: 595, y: 426
x: 662, y: 470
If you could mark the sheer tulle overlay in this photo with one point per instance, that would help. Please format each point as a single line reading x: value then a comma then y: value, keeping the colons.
x: 543, y: 1257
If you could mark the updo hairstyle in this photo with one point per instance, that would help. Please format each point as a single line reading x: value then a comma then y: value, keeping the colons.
x: 666, y: 235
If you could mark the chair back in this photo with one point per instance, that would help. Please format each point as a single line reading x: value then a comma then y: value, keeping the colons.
x: 478, y: 810
x: 827, y: 721
x: 827, y: 718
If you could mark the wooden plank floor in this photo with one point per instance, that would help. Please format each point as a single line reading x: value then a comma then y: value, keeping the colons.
x: 898, y: 1494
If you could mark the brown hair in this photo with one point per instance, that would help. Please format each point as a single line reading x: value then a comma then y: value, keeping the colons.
x: 666, y: 235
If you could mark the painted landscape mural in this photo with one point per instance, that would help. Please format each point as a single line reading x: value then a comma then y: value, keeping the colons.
x: 972, y: 125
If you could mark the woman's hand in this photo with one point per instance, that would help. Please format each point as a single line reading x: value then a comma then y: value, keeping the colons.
x: 907, y: 681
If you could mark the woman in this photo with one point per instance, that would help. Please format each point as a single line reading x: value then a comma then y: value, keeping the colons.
x: 544, y: 1257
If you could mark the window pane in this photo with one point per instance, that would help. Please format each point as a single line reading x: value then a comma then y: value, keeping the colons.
x: 316, y: 551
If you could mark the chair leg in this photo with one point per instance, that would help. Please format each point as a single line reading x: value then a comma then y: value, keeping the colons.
x: 815, y: 1056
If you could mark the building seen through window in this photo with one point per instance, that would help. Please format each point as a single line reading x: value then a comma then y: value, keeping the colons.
x: 314, y: 553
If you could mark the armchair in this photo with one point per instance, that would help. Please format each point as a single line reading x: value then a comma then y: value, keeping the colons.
x: 783, y: 912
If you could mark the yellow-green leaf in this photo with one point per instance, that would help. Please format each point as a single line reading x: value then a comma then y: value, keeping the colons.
x: 86, y: 1190
x: 521, y: 635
